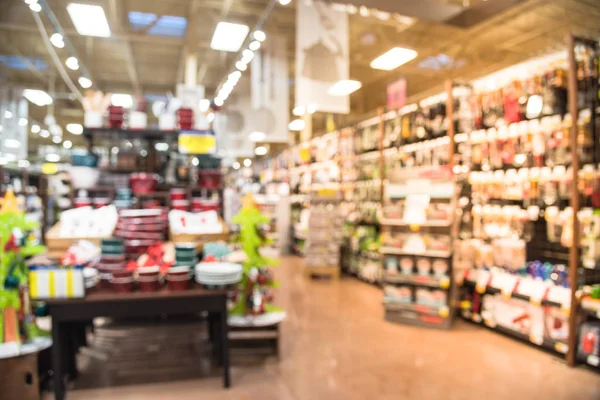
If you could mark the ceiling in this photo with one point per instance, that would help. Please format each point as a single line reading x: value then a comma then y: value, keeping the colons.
x: 133, y: 60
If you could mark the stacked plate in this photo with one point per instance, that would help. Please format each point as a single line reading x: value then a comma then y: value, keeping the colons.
x: 218, y: 274
x: 90, y: 277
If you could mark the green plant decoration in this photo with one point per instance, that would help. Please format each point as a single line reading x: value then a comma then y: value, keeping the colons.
x: 14, y: 249
x: 254, y: 296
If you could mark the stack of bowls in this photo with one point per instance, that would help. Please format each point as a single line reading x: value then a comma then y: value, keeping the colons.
x: 90, y: 277
x: 141, y: 229
x: 123, y: 198
x: 186, y: 254
x: 112, y: 259
x: 122, y: 281
x: 178, y: 278
x: 218, y: 275
x: 148, y: 278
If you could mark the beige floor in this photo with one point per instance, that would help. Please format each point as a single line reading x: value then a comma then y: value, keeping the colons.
x: 337, y: 346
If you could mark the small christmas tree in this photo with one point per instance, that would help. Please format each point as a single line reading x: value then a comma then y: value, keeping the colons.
x: 15, y: 313
x: 254, y: 295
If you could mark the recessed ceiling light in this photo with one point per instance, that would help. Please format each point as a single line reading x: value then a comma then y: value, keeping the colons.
x: 57, y: 40
x: 255, y: 45
x: 161, y: 146
x: 8, y: 114
x: 89, y: 20
x: 56, y: 139
x: 85, y: 82
x: 210, y: 117
x: 296, y: 125
x: 67, y: 144
x: 219, y: 102
x: 236, y: 165
x: 72, y: 63
x: 229, y: 37
x: 299, y: 111
x: 23, y: 121
x: 259, y: 35
x: 75, y: 129
x: 121, y: 100
x: 12, y: 143
x: 311, y: 109
x: 35, y: 7
x: 241, y: 66
x: 261, y: 150
x: 257, y: 136
x: 37, y: 97
x: 44, y: 133
x: 284, y: 2
x: 393, y: 59
x: 247, y: 162
x: 35, y: 128
x: 344, y: 88
x: 23, y: 164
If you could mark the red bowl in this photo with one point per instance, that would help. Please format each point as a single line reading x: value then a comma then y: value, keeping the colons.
x: 209, y: 178
x: 155, y: 236
x: 142, y: 183
x: 178, y: 194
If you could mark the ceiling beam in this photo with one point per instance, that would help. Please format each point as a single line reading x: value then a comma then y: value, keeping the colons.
x: 117, y: 16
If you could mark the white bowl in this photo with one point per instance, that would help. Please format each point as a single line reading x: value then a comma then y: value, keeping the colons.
x: 84, y: 177
x: 217, y: 268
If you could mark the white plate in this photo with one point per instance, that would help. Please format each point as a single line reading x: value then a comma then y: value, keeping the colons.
x: 218, y: 268
x: 217, y: 281
x: 257, y: 320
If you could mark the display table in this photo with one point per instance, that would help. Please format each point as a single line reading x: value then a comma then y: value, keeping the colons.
x: 67, y: 313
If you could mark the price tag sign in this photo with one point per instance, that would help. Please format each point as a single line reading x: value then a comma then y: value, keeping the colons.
x: 445, y: 282
x: 444, y: 312
x: 477, y: 318
x: 561, y: 347
x: 465, y: 304
x: 197, y: 142
x: 536, y: 339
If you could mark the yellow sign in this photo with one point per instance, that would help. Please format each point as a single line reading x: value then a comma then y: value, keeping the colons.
x: 49, y: 168
x: 197, y: 142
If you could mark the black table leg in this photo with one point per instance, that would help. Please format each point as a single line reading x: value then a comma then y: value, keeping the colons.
x: 57, y: 354
x: 224, y: 332
x: 72, y: 347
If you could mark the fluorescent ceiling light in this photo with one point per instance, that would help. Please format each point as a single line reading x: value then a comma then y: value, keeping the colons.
x: 56, y: 129
x: 35, y: 128
x: 161, y: 146
x: 12, y: 143
x: 204, y: 105
x: 37, y: 97
x: 67, y: 144
x: 121, y: 100
x: 72, y: 63
x: 35, y: 7
x: 247, y: 162
x: 7, y: 114
x: 236, y: 165
x: 235, y: 75
x: 85, y: 82
x: 254, y: 45
x: 259, y: 35
x: 299, y: 111
x: 284, y: 2
x: 296, y: 125
x: 219, y: 102
x: 261, y: 150
x: 344, y: 88
x: 393, y: 59
x: 89, y: 20
x: 28, y: 2
x: 57, y: 40
x: 75, y: 129
x: 229, y: 37
x: 44, y: 133
x: 23, y: 121
x: 257, y: 136
x: 52, y: 157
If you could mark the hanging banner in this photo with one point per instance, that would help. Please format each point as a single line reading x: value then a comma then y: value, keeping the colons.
x: 270, y: 90
x: 396, y: 94
x: 322, y: 50
x: 234, y: 124
x: 197, y: 142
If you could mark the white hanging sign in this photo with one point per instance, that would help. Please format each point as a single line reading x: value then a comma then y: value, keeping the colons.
x: 270, y: 90
x: 322, y: 56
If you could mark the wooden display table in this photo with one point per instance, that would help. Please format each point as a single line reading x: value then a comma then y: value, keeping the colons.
x: 67, y: 313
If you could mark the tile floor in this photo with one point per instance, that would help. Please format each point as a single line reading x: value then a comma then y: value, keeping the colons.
x: 336, y: 345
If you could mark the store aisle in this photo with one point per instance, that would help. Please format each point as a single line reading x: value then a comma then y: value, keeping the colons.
x: 335, y: 345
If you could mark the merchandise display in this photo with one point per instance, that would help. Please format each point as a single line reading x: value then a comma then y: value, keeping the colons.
x: 233, y: 180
